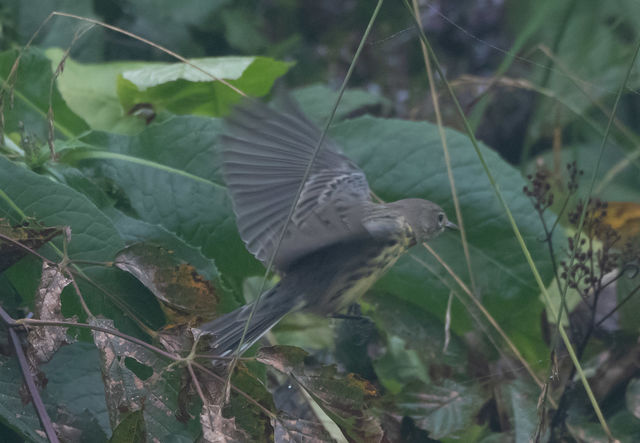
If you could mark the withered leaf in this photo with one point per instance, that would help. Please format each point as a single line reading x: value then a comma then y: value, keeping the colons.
x: 176, y: 339
x: 217, y: 429
x: 124, y: 391
x: 45, y: 341
x: 187, y: 296
x: 624, y: 217
x: 296, y: 430
x: 31, y: 235
x: 251, y: 419
x: 137, y: 379
x: 248, y: 418
x: 344, y: 398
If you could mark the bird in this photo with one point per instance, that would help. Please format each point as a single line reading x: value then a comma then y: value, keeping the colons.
x: 338, y: 241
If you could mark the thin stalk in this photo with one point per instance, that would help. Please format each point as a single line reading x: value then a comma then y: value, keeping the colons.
x: 445, y: 150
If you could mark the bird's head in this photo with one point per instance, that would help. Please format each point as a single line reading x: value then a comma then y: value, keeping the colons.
x: 427, y: 219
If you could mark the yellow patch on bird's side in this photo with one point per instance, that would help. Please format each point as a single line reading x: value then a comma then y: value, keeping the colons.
x: 379, y: 265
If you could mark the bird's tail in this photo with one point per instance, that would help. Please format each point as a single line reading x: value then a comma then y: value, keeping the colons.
x: 227, y: 330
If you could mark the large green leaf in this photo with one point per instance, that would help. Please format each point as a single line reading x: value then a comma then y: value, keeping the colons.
x: 52, y: 204
x: 74, y: 381
x: 90, y: 91
x: 183, y: 89
x: 170, y: 176
x: 414, y: 344
x: 404, y: 159
x: 73, y: 395
x: 93, y: 237
x: 31, y: 97
x: 441, y: 410
x: 317, y: 101
x: 520, y: 398
x: 14, y: 412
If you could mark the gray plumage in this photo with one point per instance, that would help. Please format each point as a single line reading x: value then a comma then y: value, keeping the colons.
x: 338, y: 241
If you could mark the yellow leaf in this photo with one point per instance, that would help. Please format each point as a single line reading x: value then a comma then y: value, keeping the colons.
x: 624, y: 217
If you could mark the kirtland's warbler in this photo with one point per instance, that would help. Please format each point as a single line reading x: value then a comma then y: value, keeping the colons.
x: 338, y: 242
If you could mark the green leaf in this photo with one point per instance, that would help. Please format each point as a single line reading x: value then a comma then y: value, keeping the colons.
x: 134, y: 231
x: 74, y: 380
x: 317, y: 101
x: 26, y: 194
x: 31, y: 98
x: 414, y: 344
x: 90, y: 91
x: 14, y: 411
x: 632, y: 397
x: 404, y: 159
x: 182, y: 89
x: 137, y: 231
x: 441, y: 410
x: 520, y: 399
x: 130, y: 430
x: 400, y: 365
x: 169, y: 176
x: 572, y: 299
x: 73, y: 396
x: 93, y: 237
x: 591, y: 54
x: 344, y: 398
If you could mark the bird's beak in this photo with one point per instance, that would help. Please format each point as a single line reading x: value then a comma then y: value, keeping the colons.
x: 451, y: 225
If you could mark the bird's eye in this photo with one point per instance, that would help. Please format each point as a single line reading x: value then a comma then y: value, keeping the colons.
x: 441, y: 218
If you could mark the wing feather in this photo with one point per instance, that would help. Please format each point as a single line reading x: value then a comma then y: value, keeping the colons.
x: 265, y: 155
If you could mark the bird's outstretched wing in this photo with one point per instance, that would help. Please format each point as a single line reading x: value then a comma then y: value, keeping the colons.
x: 265, y: 155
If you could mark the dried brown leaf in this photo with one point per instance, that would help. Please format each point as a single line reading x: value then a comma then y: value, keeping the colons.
x: 296, y: 430
x: 185, y: 295
x: 124, y: 391
x: 31, y: 235
x: 138, y: 379
x: 624, y: 217
x: 217, y: 429
x: 45, y: 341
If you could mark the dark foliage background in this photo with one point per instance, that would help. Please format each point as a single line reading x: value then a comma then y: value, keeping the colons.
x: 460, y: 351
